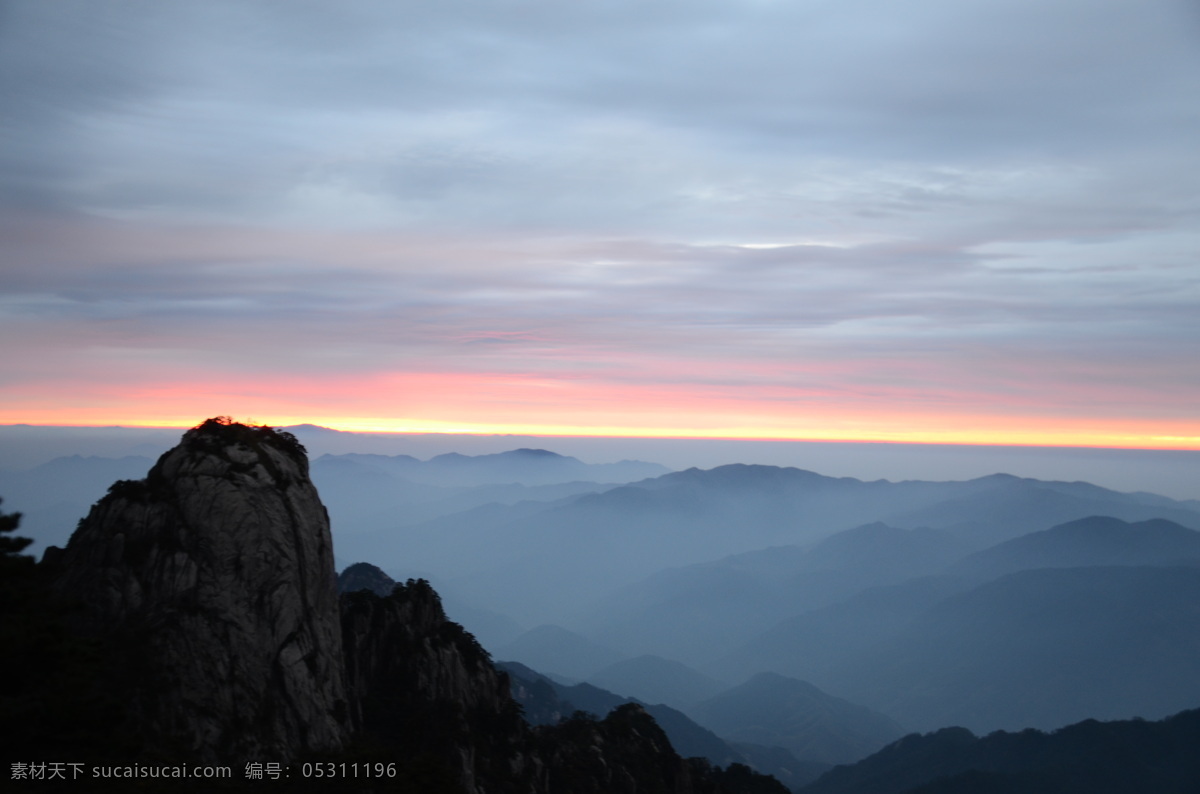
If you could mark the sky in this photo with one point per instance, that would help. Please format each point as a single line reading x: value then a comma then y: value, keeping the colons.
x: 945, y: 221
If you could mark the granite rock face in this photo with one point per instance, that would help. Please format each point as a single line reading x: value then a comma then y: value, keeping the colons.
x: 212, y: 584
x: 625, y: 753
x: 421, y: 682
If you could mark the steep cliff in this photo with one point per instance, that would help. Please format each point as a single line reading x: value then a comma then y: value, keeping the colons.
x: 420, y: 682
x: 211, y: 583
x: 625, y: 753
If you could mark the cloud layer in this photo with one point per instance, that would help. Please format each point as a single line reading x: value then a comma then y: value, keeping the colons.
x: 809, y: 219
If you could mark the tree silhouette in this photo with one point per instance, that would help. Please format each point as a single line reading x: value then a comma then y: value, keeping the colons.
x: 49, y: 701
x: 10, y: 547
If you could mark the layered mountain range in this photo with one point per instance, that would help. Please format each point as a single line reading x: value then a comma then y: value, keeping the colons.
x: 207, y: 594
x: 575, y: 552
x: 195, y: 614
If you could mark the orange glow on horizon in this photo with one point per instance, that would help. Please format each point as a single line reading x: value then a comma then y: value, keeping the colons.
x: 535, y: 405
x: 1082, y: 438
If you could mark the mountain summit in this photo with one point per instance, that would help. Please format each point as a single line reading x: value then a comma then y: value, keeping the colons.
x: 212, y: 578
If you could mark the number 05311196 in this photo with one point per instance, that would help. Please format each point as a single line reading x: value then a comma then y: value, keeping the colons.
x: 343, y: 770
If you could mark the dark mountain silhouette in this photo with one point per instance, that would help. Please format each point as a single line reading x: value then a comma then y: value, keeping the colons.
x: 773, y: 710
x: 50, y: 702
x: 365, y: 576
x: 208, y: 592
x: 1089, y: 757
x: 1096, y: 540
x: 424, y: 686
x: 547, y: 702
x: 488, y: 627
x: 171, y: 572
x: 636, y: 757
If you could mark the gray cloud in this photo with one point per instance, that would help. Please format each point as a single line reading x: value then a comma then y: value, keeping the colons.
x: 570, y: 186
x: 185, y: 108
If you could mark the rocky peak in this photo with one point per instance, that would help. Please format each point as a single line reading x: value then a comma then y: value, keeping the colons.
x: 421, y: 682
x: 625, y: 753
x: 212, y: 583
x: 365, y: 576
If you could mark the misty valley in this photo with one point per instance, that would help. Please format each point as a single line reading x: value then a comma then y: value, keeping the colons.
x: 526, y: 621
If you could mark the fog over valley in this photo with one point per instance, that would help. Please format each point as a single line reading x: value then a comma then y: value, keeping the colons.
x: 764, y: 606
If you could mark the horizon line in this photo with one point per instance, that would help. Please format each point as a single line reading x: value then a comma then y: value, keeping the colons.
x: 649, y: 436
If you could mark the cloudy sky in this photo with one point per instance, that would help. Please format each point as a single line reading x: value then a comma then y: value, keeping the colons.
x: 940, y: 220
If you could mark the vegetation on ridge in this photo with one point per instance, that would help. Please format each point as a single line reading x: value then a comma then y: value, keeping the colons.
x: 226, y: 432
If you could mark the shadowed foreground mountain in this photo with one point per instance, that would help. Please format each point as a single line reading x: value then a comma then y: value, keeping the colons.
x: 206, y: 597
x: 204, y: 580
x: 545, y: 702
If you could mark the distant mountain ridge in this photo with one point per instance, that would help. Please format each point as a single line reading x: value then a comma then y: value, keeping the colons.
x: 776, y: 711
x: 53, y: 497
x: 522, y: 466
x: 585, y: 546
x: 1091, y: 541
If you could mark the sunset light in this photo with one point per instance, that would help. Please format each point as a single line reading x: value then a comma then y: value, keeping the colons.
x: 817, y: 247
